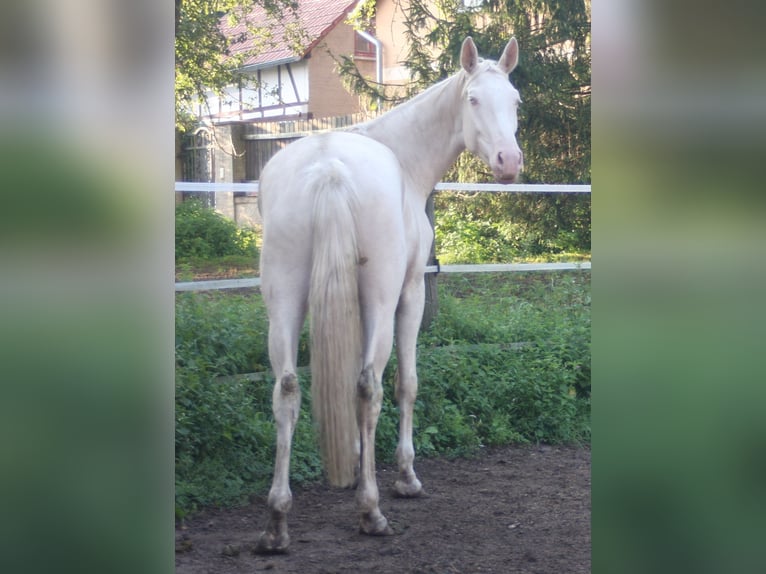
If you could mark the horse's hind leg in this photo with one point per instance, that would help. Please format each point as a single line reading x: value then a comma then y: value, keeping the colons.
x: 285, y: 322
x: 378, y: 342
x: 408, y: 317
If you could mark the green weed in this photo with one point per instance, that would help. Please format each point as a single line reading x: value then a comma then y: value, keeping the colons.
x: 506, y: 360
x: 202, y: 233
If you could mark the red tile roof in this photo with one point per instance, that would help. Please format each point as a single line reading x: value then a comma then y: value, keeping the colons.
x: 315, y: 18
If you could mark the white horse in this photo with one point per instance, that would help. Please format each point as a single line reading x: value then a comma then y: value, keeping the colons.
x: 346, y: 239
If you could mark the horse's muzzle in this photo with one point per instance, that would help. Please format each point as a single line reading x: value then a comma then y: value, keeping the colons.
x: 507, y: 165
x: 506, y: 179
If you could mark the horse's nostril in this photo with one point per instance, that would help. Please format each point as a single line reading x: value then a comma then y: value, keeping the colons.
x: 500, y: 158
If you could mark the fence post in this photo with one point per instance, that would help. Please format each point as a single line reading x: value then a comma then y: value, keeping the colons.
x: 431, y: 309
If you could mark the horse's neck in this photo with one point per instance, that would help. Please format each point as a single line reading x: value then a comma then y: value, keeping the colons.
x: 424, y: 133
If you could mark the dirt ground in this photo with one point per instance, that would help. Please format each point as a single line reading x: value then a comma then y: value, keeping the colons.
x: 515, y: 509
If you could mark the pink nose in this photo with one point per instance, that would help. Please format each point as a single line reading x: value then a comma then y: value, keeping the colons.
x: 508, y: 164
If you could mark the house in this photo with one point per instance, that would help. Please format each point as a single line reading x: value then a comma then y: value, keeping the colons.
x: 289, y: 87
x: 288, y: 66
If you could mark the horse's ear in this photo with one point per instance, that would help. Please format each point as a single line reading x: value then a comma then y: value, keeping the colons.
x: 510, y: 56
x: 469, y: 55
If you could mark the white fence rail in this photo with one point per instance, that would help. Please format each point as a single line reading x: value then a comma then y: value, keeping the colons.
x: 201, y: 187
x: 252, y: 187
x: 210, y: 285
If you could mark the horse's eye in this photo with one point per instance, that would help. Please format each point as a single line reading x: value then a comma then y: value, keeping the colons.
x: 473, y: 101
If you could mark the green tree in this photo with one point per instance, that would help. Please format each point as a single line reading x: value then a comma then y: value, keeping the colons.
x: 204, y: 61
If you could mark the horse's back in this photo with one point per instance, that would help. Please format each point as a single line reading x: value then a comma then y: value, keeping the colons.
x: 289, y: 185
x: 286, y: 179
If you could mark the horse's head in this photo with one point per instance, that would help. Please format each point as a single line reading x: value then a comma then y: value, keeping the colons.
x: 489, y: 110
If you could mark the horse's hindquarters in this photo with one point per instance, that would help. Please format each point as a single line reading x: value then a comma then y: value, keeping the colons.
x: 335, y: 243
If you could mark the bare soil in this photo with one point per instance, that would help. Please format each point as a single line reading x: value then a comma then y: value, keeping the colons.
x: 513, y: 509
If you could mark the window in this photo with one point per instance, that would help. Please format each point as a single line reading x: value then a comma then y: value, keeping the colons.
x: 363, y: 48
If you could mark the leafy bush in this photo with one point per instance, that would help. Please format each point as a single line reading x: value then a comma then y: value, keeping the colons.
x: 507, y: 360
x: 203, y: 233
x: 510, y: 357
x: 461, y: 238
x: 222, y: 432
x: 491, y: 394
x: 224, y: 426
x: 221, y: 335
x: 482, y: 228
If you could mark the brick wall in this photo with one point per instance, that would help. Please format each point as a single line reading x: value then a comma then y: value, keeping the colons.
x: 327, y: 96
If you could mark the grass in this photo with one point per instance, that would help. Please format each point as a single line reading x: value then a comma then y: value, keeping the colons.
x: 506, y: 360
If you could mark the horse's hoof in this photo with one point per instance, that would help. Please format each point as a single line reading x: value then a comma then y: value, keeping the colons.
x: 413, y: 489
x: 268, y: 543
x: 386, y: 531
x: 377, y: 526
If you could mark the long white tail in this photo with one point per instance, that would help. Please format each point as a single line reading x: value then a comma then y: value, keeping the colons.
x: 336, y: 333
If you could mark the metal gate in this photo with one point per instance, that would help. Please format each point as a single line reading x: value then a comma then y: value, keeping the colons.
x: 198, y: 163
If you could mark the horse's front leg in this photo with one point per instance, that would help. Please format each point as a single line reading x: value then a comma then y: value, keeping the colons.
x: 408, y: 317
x: 286, y: 406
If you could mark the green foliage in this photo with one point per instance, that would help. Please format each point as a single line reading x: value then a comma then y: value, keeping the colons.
x: 489, y: 228
x: 220, y: 429
x: 488, y: 394
x: 543, y: 313
x: 224, y: 425
x: 203, y: 233
x: 507, y: 360
x: 362, y: 17
x: 221, y: 335
x: 464, y: 235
